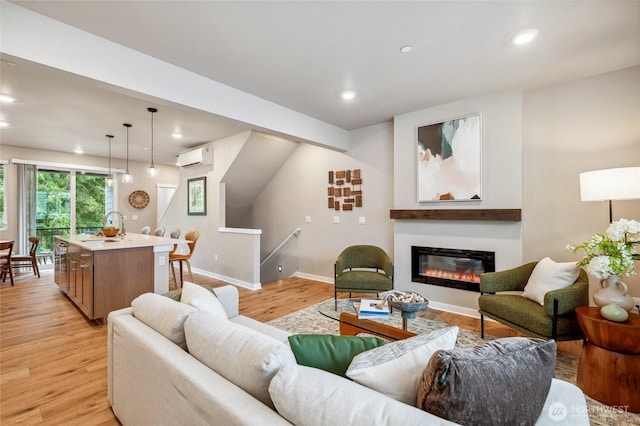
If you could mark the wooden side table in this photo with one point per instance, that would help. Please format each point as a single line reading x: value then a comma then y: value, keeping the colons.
x: 609, y: 367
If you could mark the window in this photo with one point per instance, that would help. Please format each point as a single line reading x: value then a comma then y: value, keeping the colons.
x: 93, y: 199
x: 70, y: 200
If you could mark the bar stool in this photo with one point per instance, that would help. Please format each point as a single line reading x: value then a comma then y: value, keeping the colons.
x: 192, y: 237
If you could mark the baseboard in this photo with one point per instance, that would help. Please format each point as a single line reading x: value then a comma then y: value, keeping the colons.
x: 230, y: 280
x: 328, y: 280
x: 467, y: 312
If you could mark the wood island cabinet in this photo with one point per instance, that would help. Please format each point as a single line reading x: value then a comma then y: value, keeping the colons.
x: 101, y: 281
x: 81, y: 278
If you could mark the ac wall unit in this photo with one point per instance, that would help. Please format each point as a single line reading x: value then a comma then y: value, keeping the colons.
x: 197, y: 157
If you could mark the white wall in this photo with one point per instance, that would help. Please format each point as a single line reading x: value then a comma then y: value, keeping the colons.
x: 209, y: 243
x: 501, y: 188
x: 300, y: 190
x: 582, y: 125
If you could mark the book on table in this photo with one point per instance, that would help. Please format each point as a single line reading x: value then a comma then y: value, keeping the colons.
x: 370, y: 308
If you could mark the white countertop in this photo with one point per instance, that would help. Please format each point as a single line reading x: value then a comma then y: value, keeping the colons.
x: 132, y: 240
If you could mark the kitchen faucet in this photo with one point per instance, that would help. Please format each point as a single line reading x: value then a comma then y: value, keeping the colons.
x: 108, y: 215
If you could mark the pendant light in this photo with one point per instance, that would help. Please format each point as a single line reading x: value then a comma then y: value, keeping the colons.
x: 152, y: 171
x: 109, y: 178
x: 126, y: 177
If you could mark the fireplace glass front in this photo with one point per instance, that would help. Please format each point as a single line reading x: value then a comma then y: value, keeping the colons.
x: 450, y: 267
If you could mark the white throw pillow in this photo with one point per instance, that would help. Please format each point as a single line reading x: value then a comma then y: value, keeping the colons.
x: 302, y: 394
x: 395, y: 369
x: 201, y: 299
x: 243, y: 356
x: 549, y: 275
x: 164, y: 315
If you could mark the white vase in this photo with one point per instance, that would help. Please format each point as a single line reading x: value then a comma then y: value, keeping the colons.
x: 612, y: 290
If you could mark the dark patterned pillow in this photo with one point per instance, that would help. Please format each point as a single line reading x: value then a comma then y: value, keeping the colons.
x: 502, y: 382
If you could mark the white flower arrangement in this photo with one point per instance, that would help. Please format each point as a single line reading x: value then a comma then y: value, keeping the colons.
x: 611, y: 253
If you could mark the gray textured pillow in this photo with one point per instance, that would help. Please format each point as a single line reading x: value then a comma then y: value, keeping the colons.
x: 502, y: 382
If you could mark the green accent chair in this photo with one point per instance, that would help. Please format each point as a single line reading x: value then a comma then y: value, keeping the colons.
x: 555, y: 320
x: 362, y: 269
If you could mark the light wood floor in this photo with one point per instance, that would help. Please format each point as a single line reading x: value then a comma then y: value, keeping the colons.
x: 53, y: 361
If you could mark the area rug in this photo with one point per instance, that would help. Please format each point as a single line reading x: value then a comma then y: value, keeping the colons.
x: 310, y: 321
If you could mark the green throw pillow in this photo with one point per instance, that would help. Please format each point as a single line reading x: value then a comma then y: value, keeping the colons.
x: 329, y: 352
x: 176, y: 294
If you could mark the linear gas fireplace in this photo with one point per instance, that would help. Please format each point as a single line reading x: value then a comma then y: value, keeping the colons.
x: 450, y: 267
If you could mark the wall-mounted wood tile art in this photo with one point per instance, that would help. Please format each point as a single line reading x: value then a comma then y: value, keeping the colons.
x: 345, y: 189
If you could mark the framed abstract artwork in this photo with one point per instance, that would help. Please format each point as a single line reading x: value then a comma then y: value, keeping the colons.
x: 449, y: 160
x: 197, y: 196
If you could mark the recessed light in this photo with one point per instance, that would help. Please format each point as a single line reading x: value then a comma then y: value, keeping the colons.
x: 78, y: 150
x: 6, y: 99
x: 177, y: 135
x: 4, y: 124
x: 348, y: 94
x: 405, y: 49
x: 524, y: 37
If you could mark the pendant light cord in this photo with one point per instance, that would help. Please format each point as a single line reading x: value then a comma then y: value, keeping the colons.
x: 152, y: 111
x: 109, y: 137
x: 127, y: 125
x: 128, y: 149
x: 152, y: 139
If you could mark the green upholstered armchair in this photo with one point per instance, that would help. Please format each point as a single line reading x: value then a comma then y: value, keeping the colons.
x: 363, y: 269
x: 555, y: 320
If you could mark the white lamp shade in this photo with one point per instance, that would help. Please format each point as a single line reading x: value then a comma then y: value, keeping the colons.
x: 610, y: 184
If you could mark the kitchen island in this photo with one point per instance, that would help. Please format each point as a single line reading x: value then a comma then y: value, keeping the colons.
x: 101, y: 274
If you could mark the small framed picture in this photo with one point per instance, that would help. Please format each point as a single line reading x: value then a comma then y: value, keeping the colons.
x: 197, y: 196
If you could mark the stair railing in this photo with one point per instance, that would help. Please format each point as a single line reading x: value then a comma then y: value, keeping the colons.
x: 280, y: 246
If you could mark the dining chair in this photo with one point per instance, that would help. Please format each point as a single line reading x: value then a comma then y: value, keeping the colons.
x: 28, y: 260
x: 6, y: 247
x: 192, y: 237
x: 175, y: 233
x: 146, y: 230
x: 159, y: 231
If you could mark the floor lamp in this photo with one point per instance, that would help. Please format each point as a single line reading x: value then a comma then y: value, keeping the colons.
x: 610, y: 184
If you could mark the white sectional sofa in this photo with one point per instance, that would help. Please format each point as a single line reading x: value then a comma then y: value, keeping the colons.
x: 242, y: 372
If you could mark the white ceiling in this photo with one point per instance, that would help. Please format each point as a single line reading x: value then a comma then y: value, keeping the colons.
x: 301, y: 55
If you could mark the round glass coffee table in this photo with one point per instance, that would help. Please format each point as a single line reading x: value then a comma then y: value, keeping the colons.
x: 390, y: 328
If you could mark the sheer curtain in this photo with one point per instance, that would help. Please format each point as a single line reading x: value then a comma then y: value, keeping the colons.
x: 27, y: 191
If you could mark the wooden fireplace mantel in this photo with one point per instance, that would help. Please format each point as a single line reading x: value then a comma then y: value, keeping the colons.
x: 496, y: 215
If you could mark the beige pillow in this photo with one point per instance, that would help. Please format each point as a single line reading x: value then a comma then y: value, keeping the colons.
x: 164, y: 315
x: 307, y: 396
x: 549, y: 275
x: 201, y: 299
x: 243, y: 356
x: 394, y: 369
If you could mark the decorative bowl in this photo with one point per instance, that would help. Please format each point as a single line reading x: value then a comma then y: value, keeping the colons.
x: 409, y: 307
x: 110, y: 231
